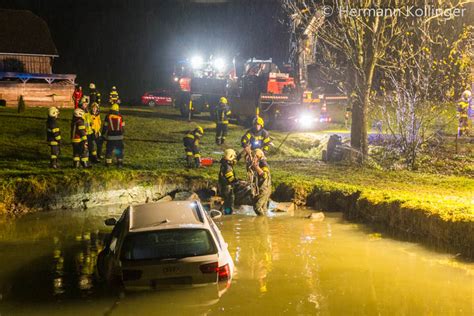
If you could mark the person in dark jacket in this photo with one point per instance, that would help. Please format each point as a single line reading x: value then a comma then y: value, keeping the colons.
x: 191, y: 147
x: 79, y: 140
x: 53, y: 136
x: 256, y: 138
x: 112, y: 132
x: 227, y: 180
x: 222, y: 120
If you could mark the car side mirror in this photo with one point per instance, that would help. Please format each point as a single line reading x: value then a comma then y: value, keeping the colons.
x: 110, y: 221
x: 215, y: 214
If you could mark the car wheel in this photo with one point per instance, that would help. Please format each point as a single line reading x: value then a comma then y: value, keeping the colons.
x: 151, y: 103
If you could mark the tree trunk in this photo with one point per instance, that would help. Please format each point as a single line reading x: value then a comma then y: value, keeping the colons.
x: 359, y: 126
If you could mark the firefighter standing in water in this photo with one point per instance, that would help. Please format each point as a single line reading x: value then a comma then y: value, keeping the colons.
x: 53, y: 136
x: 113, y: 133
x: 77, y: 96
x: 463, y: 114
x: 222, y: 120
x: 227, y: 179
x: 263, y: 182
x: 113, y: 96
x: 191, y: 147
x: 79, y: 140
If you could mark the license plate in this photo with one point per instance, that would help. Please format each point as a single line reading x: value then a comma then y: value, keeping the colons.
x: 171, y: 270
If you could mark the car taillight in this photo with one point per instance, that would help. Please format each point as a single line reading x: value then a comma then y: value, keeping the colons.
x: 224, y: 273
x: 210, y: 268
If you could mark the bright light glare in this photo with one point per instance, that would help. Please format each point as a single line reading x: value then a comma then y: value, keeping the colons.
x: 196, y: 62
x: 219, y: 64
x: 305, y: 120
x: 176, y: 79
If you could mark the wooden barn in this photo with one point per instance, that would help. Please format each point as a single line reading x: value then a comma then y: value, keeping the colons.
x: 27, y: 52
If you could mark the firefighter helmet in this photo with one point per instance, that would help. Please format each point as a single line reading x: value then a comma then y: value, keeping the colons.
x: 91, y: 85
x: 78, y: 113
x: 466, y: 95
x: 53, y: 112
x: 229, y: 154
x: 223, y: 100
x: 115, y: 107
x: 258, y: 121
x: 84, y: 99
x: 199, y: 131
x: 114, y: 88
x: 95, y: 108
x: 259, y: 153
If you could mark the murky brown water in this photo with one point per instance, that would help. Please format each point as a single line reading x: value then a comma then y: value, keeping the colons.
x: 285, y: 265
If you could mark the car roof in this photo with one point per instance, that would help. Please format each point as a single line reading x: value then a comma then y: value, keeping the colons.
x: 165, y: 215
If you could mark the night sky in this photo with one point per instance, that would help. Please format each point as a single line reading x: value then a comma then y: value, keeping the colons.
x: 134, y: 44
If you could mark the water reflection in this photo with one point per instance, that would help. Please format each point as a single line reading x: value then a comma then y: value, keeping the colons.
x: 283, y: 265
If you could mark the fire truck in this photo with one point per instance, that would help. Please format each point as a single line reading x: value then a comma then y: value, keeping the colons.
x: 253, y: 87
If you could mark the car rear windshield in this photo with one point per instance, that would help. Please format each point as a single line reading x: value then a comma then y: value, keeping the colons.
x: 168, y: 244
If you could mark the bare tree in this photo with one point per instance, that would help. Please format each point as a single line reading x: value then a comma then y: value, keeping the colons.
x: 360, y: 39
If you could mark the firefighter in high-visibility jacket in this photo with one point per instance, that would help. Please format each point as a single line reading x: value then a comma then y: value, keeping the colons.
x: 113, y: 96
x: 256, y: 138
x: 53, y: 136
x: 79, y: 140
x: 222, y: 120
x: 91, y: 139
x: 263, y: 182
x: 227, y: 180
x: 112, y: 132
x: 97, y: 129
x: 94, y: 94
x: 191, y: 147
x: 463, y: 114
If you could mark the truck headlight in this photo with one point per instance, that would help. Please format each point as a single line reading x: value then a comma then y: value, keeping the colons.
x: 305, y: 120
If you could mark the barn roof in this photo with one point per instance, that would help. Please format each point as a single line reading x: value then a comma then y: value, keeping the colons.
x: 22, y: 32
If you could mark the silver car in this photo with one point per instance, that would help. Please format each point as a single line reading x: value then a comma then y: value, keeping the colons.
x: 165, y: 243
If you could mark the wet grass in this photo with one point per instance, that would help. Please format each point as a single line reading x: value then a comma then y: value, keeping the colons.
x: 153, y: 148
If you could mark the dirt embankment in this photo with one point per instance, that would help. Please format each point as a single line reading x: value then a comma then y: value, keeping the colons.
x: 20, y: 196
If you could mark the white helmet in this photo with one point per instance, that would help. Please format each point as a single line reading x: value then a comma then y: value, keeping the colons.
x: 53, y: 111
x: 78, y: 112
x: 91, y: 85
x: 466, y: 95
x: 229, y: 154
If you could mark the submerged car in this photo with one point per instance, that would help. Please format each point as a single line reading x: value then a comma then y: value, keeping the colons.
x: 165, y: 243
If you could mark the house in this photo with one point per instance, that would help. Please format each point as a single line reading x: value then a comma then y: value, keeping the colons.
x: 27, y: 52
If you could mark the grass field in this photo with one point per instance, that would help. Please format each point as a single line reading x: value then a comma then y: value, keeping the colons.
x: 153, y: 146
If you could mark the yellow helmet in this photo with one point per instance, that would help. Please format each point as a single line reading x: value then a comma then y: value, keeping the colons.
x: 466, y: 95
x: 223, y: 100
x: 115, y: 107
x: 79, y: 112
x: 114, y: 88
x: 259, y: 153
x: 230, y: 154
x: 91, y: 86
x: 199, y: 131
x: 53, y: 111
x: 84, y: 99
x: 258, y: 121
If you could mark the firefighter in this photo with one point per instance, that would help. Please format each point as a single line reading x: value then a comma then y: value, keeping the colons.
x: 227, y: 180
x: 79, y: 140
x: 263, y: 182
x: 222, y: 120
x: 77, y: 96
x: 91, y: 139
x: 113, y: 133
x: 53, y: 135
x: 256, y: 138
x: 97, y: 129
x: 94, y: 94
x: 191, y: 147
x: 463, y: 108
x: 113, y: 96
